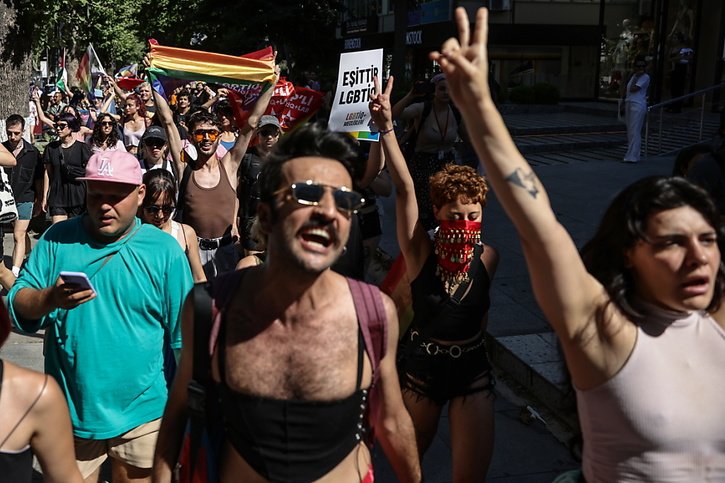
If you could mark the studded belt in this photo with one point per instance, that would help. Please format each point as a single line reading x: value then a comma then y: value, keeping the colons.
x: 455, y: 351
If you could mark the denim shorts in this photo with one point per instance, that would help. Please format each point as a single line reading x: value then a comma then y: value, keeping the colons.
x: 25, y: 210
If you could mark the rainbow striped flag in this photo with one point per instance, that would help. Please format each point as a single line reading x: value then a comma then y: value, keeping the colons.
x: 248, y: 76
x: 88, y: 68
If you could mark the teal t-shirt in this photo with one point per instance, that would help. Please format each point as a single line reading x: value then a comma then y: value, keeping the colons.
x: 108, y: 354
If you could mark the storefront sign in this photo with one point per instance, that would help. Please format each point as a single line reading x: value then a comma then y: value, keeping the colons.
x: 353, y: 43
x: 414, y: 38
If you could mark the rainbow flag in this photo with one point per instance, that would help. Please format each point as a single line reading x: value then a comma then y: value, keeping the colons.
x: 88, y: 68
x: 248, y: 76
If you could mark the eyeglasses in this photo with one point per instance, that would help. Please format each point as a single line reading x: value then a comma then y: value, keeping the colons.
x: 199, y: 134
x: 106, y: 123
x: 269, y: 132
x: 309, y: 193
x: 61, y: 125
x: 155, y: 209
x: 155, y: 143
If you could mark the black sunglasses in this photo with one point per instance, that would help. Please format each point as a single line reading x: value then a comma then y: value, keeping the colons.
x: 155, y: 209
x: 61, y: 125
x: 155, y: 143
x: 269, y: 132
x: 106, y: 123
x: 310, y: 193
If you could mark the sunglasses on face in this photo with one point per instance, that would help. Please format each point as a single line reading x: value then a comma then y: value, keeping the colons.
x: 309, y: 193
x: 154, y: 143
x: 106, y: 123
x: 199, y: 134
x: 269, y: 132
x: 156, y: 209
x: 61, y: 125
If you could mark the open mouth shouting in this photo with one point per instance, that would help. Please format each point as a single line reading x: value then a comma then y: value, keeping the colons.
x: 317, y: 239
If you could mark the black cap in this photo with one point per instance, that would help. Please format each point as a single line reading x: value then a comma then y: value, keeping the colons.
x: 154, y: 132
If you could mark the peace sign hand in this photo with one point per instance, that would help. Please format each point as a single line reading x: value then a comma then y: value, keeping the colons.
x: 380, y: 109
x: 464, y: 61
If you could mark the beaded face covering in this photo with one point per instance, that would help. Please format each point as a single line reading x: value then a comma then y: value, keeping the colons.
x: 454, y: 244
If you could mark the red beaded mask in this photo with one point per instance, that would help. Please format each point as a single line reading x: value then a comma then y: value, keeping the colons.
x: 454, y: 244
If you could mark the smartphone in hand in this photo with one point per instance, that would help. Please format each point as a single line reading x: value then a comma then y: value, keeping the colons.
x: 78, y: 279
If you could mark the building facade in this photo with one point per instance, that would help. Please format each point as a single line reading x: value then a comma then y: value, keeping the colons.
x: 586, y: 48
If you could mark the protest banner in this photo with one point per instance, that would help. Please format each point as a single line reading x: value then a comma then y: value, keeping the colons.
x: 355, y: 88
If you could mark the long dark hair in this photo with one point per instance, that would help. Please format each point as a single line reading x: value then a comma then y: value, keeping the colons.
x: 158, y: 181
x: 625, y: 223
x: 97, y: 138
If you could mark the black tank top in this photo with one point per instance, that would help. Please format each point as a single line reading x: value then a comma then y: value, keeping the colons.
x: 441, y: 316
x: 292, y: 440
x: 15, y: 467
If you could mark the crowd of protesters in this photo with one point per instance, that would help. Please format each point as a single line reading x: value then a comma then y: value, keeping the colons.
x: 307, y: 365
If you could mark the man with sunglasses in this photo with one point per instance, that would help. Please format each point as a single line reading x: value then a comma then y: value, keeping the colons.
x: 106, y: 345
x: 208, y: 185
x: 27, y: 183
x: 294, y: 354
x: 269, y: 132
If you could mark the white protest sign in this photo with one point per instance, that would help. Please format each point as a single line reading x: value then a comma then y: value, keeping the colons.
x: 355, y: 87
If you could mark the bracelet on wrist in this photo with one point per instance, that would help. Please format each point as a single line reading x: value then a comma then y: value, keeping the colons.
x: 386, y: 131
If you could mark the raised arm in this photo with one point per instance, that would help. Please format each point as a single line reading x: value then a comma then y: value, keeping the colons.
x: 41, y: 114
x: 116, y: 88
x: 166, y: 120
x: 234, y: 156
x: 411, y: 235
x: 566, y: 292
x: 394, y: 428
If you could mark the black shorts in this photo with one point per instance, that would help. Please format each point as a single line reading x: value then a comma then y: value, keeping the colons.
x: 441, y: 372
x: 69, y: 211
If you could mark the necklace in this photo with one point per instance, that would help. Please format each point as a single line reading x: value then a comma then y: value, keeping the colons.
x: 443, y: 131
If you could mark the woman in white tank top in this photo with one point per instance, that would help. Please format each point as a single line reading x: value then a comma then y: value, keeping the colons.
x: 639, y: 315
x: 158, y: 206
x: 134, y: 122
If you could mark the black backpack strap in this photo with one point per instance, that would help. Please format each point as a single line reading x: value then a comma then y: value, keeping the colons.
x: 181, y: 201
x: 196, y: 390
x: 245, y: 185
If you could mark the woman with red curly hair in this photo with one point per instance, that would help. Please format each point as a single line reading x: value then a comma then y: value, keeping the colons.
x: 442, y: 357
x: 34, y: 420
x: 135, y: 122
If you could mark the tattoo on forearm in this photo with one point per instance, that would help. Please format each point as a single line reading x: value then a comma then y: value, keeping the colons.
x: 523, y: 180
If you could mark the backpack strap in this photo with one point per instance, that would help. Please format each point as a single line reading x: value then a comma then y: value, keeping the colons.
x: 196, y: 390
x: 374, y: 327
x: 372, y: 319
x: 181, y: 201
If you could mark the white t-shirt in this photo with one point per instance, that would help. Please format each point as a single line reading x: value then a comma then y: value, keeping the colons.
x: 639, y: 97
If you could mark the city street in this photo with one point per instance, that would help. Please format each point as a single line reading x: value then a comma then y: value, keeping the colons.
x: 526, y: 449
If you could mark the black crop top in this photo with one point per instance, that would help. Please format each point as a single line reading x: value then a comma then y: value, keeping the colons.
x: 442, y: 316
x: 15, y: 467
x: 292, y: 440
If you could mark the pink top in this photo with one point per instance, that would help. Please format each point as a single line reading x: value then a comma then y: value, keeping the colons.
x: 661, y: 417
